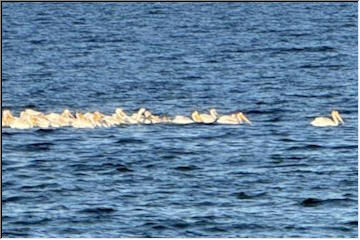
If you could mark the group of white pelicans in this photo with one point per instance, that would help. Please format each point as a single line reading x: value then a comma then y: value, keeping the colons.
x: 30, y: 118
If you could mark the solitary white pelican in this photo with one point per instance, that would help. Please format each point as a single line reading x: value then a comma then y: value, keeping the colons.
x: 205, y: 118
x: 325, y: 122
x: 7, y: 118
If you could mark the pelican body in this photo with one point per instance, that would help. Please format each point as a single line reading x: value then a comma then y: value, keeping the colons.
x: 181, y: 120
x: 228, y: 119
x: 335, y: 120
x: 235, y: 118
x: 82, y: 121
x: 204, y: 118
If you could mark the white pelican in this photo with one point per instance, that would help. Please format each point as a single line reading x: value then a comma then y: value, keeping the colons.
x: 137, y: 117
x: 96, y: 118
x: 81, y: 121
x: 37, y: 119
x: 56, y: 120
x: 67, y: 114
x: 147, y: 117
x: 60, y: 120
x: 204, y: 118
x: 150, y: 118
x: 228, y: 119
x: 325, y: 122
x: 196, y: 117
x: 181, y: 120
x: 7, y: 118
x: 22, y: 123
x: 40, y: 121
x: 109, y: 121
x: 119, y: 117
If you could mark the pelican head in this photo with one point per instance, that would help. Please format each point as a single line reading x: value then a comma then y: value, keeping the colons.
x: 336, y: 116
x: 98, y: 116
x: 7, y: 114
x: 196, y: 117
x: 242, y: 117
x: 67, y: 114
x: 213, y: 112
x: 141, y: 111
x: 7, y: 118
x: 79, y: 115
x: 119, y: 111
x: 147, y: 114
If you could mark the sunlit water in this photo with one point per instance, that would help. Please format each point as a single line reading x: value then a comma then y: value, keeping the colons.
x: 281, y: 64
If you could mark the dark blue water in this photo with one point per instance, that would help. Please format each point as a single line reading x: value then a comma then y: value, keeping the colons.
x: 280, y: 64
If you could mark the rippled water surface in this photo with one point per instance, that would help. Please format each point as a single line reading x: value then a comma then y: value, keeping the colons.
x: 281, y: 64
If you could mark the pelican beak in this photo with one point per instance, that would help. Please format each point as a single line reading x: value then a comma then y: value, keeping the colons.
x: 339, y: 118
x: 243, y: 117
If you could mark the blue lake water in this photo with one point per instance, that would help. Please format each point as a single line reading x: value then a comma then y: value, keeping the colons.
x: 280, y: 64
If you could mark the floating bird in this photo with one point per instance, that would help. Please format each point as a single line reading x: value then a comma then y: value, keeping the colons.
x: 7, y: 118
x: 96, y: 118
x: 325, y: 121
x: 147, y: 117
x: 67, y: 117
x: 21, y: 123
x: 37, y: 119
x: 56, y: 120
x: 120, y: 117
x: 40, y: 121
x: 137, y: 117
x: 181, y: 120
x: 204, y: 118
x: 81, y: 121
x: 228, y: 119
x: 196, y: 117
x: 60, y: 120
x: 154, y: 119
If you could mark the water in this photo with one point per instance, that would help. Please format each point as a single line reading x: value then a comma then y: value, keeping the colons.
x: 281, y: 64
